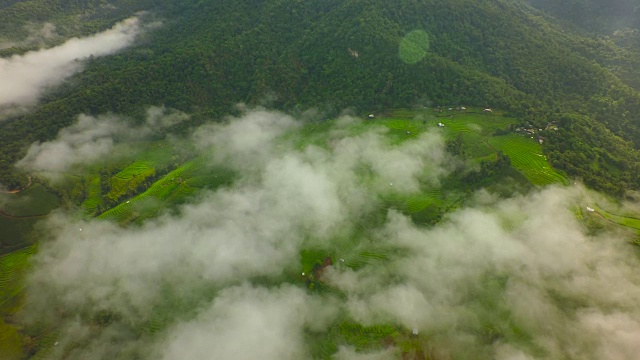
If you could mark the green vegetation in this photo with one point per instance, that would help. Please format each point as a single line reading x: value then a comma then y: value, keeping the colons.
x: 627, y: 221
x: 33, y: 201
x: 483, y: 136
x: 19, y: 212
x: 414, y: 46
x: 71, y: 18
x: 212, y: 55
x: 362, y: 338
x: 13, y: 269
x: 10, y: 342
x: 527, y: 157
x: 129, y: 179
x: 570, y: 107
x: 147, y: 204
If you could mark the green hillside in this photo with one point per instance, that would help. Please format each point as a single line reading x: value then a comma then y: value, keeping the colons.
x: 208, y: 56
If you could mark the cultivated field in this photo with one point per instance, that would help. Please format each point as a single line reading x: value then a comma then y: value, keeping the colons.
x: 13, y: 268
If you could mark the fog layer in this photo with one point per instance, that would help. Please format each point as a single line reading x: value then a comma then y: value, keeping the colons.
x: 520, y: 278
x: 26, y: 77
x: 91, y: 138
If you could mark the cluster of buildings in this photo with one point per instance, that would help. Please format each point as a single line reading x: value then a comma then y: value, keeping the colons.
x: 533, y: 132
x: 457, y: 108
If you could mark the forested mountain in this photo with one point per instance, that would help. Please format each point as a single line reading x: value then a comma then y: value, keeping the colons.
x: 209, y: 55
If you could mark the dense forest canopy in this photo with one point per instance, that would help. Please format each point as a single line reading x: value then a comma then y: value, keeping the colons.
x: 207, y: 56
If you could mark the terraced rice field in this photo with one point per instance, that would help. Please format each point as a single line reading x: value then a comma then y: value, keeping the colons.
x: 138, y: 168
x: 526, y: 156
x: 361, y: 338
x: 10, y: 342
x: 94, y: 196
x: 171, y: 184
x: 364, y: 337
x: 410, y: 125
x: 312, y: 134
x: 354, y: 250
x: 173, y: 188
x: 474, y: 129
x: 420, y: 202
x: 13, y: 267
x: 129, y: 178
x: 630, y: 222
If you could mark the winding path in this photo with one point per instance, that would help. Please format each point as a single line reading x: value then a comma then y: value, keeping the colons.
x: 20, y: 217
x: 17, y: 190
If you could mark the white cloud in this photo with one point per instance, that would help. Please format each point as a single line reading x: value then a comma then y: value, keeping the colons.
x: 23, y: 78
x: 86, y: 141
x: 247, y: 323
x: 91, y: 138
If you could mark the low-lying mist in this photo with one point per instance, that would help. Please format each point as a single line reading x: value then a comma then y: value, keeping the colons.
x: 25, y: 77
x: 92, y: 138
x: 517, y: 278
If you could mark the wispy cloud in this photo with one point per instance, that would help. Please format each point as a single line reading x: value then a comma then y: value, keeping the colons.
x: 23, y: 78
x: 86, y: 141
x: 91, y: 138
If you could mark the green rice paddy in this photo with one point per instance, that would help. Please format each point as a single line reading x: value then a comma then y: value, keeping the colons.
x: 477, y: 130
x: 94, y: 196
x: 13, y: 267
x: 10, y: 342
x: 146, y: 204
x: 526, y: 156
x: 627, y: 221
x: 173, y: 188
